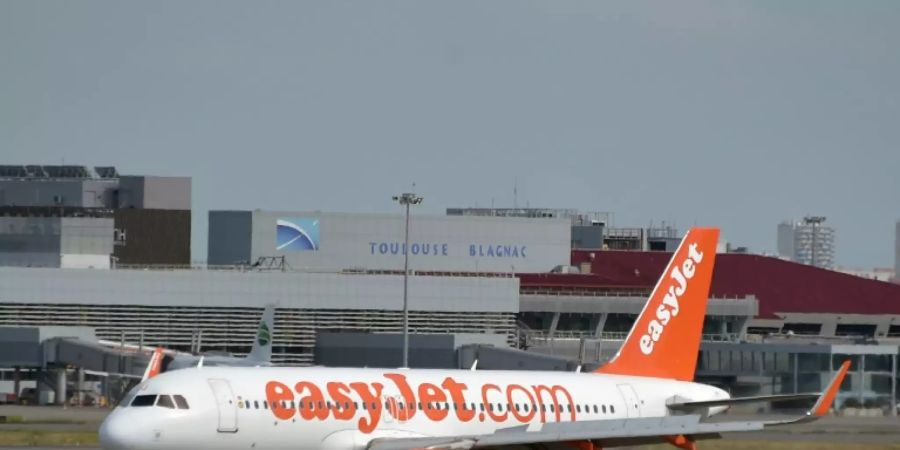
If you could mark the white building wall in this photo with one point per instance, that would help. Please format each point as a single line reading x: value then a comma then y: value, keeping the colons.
x: 437, y: 243
x: 250, y: 289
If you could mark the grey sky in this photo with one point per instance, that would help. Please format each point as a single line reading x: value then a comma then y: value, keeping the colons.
x: 721, y: 113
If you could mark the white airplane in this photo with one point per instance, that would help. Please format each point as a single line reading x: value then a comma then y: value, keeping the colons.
x: 260, y: 353
x: 644, y: 395
x: 163, y: 360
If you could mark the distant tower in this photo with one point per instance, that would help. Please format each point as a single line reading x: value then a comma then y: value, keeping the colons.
x: 897, y: 255
x: 807, y: 242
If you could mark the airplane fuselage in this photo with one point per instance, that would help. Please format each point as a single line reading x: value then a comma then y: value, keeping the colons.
x: 325, y: 408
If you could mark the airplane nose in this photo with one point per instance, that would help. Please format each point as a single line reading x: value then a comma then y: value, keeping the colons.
x: 114, y: 435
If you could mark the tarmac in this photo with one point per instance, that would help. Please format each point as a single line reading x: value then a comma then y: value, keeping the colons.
x: 830, y: 429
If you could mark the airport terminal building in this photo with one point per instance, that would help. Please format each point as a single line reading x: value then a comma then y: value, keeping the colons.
x: 559, y: 284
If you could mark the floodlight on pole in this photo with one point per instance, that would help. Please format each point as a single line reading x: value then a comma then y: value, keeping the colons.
x: 406, y: 199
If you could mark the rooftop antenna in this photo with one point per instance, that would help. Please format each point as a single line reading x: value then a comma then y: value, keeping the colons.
x: 516, y: 193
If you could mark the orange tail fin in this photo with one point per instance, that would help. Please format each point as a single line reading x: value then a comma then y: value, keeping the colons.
x: 154, y: 367
x: 665, y: 339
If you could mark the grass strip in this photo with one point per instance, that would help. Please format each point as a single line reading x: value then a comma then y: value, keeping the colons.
x: 48, y: 438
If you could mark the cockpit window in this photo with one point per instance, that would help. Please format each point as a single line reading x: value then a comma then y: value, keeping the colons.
x: 166, y: 402
x: 144, y: 400
x: 181, y: 402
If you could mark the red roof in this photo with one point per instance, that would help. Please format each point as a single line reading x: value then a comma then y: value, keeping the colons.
x: 781, y: 286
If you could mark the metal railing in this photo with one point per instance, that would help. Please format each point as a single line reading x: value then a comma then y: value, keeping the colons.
x: 614, y: 335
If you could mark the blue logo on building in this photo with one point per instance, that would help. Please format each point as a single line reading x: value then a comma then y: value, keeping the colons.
x: 297, y: 234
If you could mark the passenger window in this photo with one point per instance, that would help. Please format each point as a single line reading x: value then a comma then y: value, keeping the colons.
x: 612, y: 409
x: 166, y: 402
x: 578, y: 409
x: 595, y: 409
x: 265, y: 404
x: 604, y: 409
x: 552, y: 407
x: 255, y: 404
x: 144, y: 400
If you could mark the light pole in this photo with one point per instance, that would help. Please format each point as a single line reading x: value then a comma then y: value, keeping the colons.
x: 406, y: 199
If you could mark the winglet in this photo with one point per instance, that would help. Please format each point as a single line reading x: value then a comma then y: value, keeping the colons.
x: 155, y: 364
x: 827, y: 399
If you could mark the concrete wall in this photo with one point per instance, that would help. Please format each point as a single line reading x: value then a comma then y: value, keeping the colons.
x: 587, y: 236
x: 20, y: 347
x: 247, y: 289
x: 30, y: 241
x: 167, y: 193
x: 86, y: 236
x: 384, y: 350
x: 98, y: 193
x: 41, y: 192
x: 87, y: 193
x: 229, y: 237
x: 54, y: 241
x: 148, y: 192
x: 786, y: 241
x: 375, y: 242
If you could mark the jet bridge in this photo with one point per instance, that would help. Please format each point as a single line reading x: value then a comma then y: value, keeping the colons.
x: 47, y: 355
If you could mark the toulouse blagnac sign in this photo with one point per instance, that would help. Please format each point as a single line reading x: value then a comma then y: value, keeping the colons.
x: 302, y: 234
x: 444, y: 249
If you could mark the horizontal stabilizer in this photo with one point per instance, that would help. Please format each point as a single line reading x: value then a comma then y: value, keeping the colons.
x: 693, y: 406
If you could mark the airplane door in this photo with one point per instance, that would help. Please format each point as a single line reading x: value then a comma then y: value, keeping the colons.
x: 395, y: 411
x: 226, y: 404
x: 632, y: 402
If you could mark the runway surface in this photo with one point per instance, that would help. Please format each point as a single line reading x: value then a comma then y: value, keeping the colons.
x: 870, y: 432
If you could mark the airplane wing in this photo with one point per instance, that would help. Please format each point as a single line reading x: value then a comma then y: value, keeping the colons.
x: 677, y: 429
x: 694, y: 406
